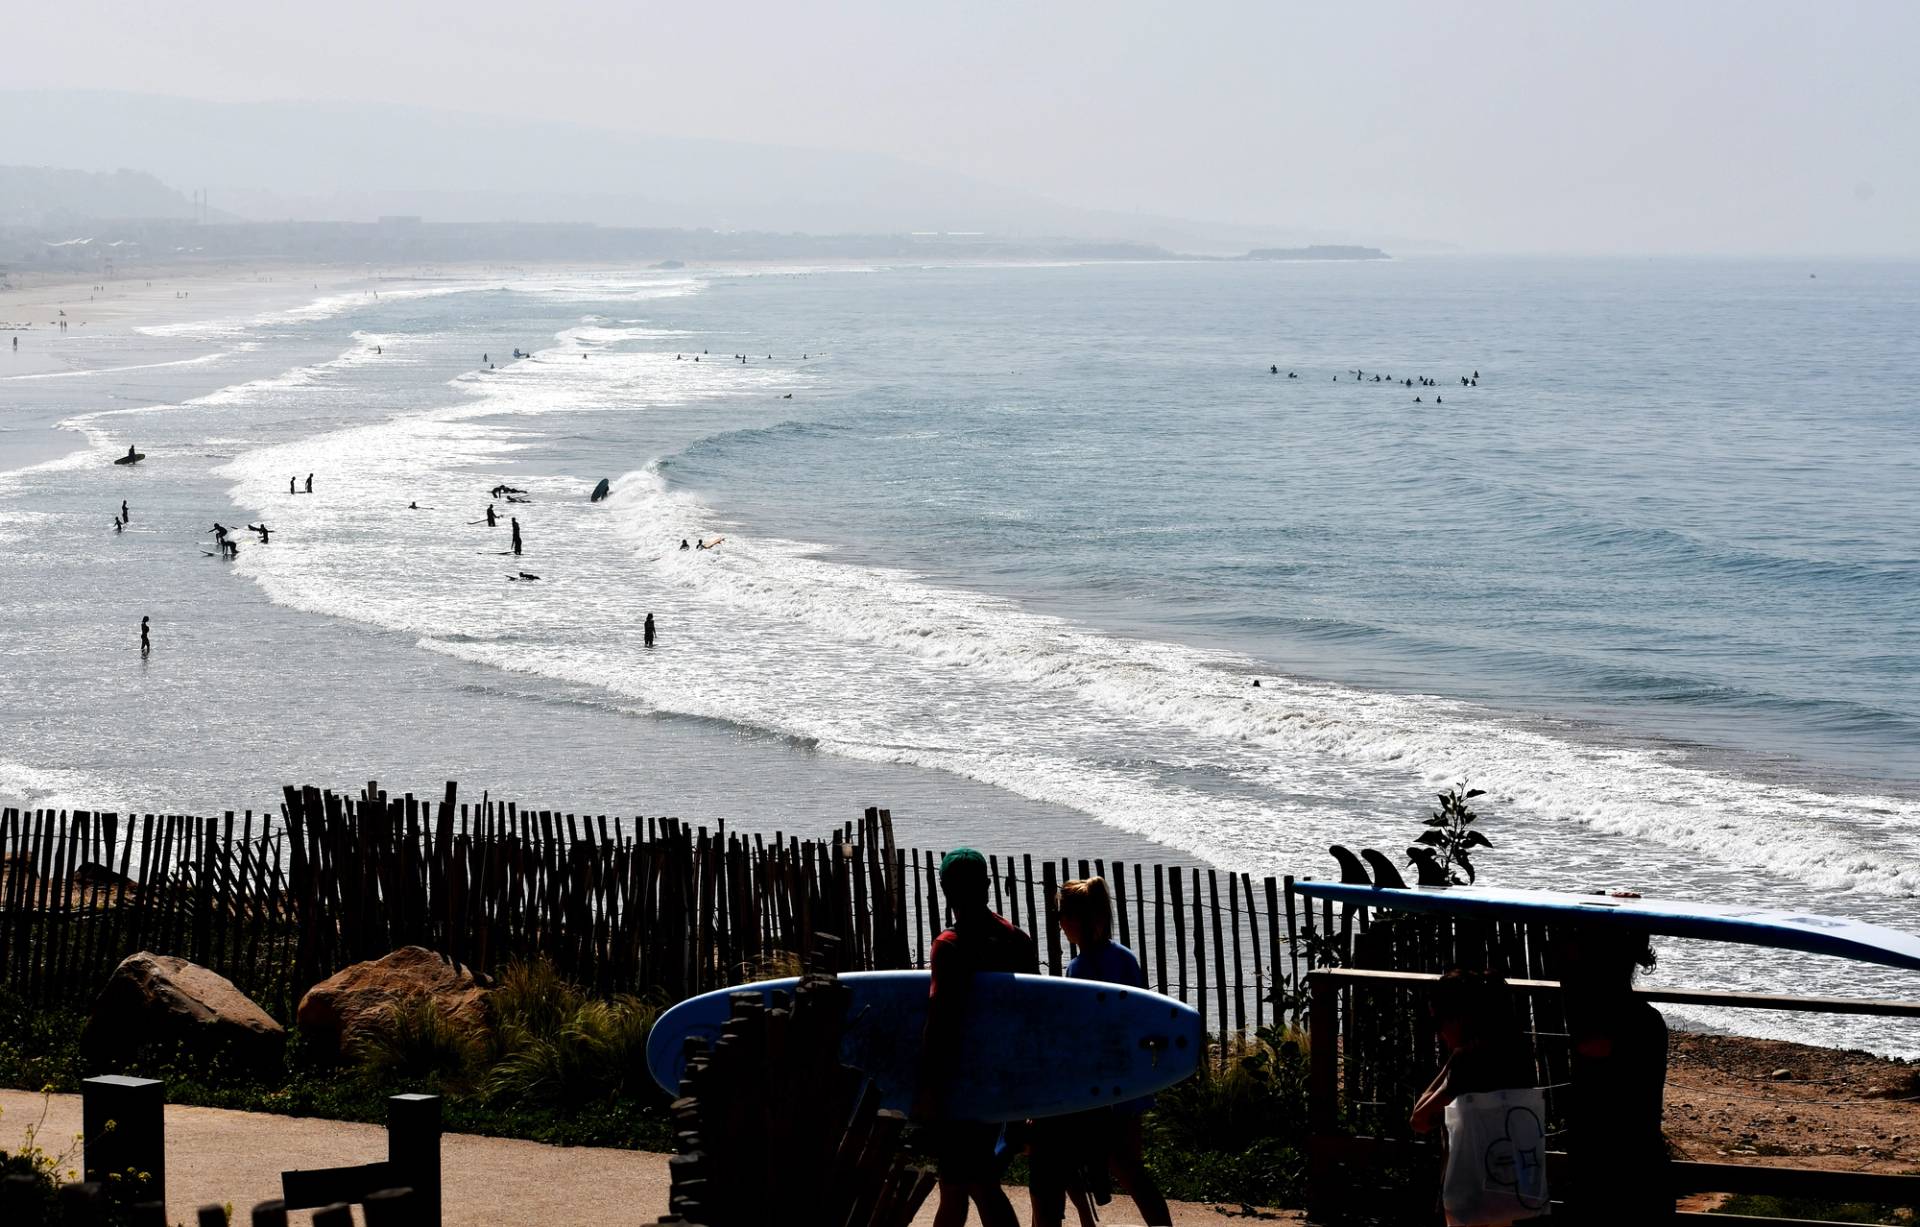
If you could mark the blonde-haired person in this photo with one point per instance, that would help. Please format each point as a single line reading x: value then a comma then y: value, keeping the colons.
x: 1106, y: 1136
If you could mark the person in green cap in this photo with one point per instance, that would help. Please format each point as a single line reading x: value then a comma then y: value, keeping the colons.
x: 979, y: 941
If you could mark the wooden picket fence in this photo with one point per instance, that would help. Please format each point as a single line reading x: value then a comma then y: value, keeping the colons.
x: 644, y: 905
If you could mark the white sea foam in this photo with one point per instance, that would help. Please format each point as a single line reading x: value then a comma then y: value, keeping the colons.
x: 50, y: 787
x: 1157, y: 738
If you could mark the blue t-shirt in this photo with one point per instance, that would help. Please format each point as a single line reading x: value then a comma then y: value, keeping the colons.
x: 1109, y: 962
x: 1112, y: 963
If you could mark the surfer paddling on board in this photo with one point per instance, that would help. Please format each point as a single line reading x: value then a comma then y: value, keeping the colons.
x: 1078, y: 1150
x: 1619, y: 1075
x: 979, y: 941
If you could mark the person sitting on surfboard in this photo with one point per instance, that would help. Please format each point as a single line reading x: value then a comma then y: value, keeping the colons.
x: 1084, y: 1147
x: 979, y: 941
x: 1619, y: 1070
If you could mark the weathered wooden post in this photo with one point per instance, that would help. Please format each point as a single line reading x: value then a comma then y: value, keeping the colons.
x: 413, y: 1152
x: 1323, y: 1090
x: 270, y: 1213
x: 124, y: 1124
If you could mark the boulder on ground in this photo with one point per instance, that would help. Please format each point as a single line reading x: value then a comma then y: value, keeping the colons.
x: 338, y: 1010
x: 161, y: 998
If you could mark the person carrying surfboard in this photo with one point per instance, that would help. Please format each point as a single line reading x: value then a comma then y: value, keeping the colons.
x: 1619, y: 1073
x: 1105, y: 1140
x: 979, y: 941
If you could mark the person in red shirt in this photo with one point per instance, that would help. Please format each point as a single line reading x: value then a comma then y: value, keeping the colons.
x: 979, y: 941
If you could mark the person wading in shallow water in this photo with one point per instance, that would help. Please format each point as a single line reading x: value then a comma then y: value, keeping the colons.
x: 647, y: 630
x: 146, y: 644
x: 516, y: 535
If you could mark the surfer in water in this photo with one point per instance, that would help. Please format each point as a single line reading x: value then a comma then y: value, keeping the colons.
x: 979, y: 941
x: 146, y: 644
x: 260, y: 528
x: 309, y: 483
x: 1068, y: 1149
x: 492, y: 520
x: 117, y: 525
x: 124, y: 515
x: 1619, y: 1074
x: 291, y: 483
x: 683, y: 544
x: 647, y: 628
x: 516, y: 537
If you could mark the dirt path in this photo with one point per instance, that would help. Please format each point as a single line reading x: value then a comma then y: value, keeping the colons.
x: 215, y: 1155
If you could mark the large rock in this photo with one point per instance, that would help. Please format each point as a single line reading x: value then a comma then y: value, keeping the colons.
x: 336, y: 1011
x: 160, y: 998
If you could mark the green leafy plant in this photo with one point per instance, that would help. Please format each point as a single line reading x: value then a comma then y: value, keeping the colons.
x: 1444, y: 850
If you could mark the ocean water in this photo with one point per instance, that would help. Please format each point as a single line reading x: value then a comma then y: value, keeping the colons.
x: 1006, y: 549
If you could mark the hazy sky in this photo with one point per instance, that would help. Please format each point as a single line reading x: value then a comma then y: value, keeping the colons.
x: 1679, y: 125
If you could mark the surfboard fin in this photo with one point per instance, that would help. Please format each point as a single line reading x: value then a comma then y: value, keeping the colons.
x: 1428, y: 865
x: 1351, y: 870
x: 1384, y: 872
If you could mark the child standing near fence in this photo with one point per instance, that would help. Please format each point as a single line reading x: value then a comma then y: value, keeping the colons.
x: 1106, y: 1140
x: 1486, y: 1052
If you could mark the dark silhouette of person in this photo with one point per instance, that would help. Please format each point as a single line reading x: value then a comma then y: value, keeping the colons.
x: 146, y: 644
x: 291, y: 486
x: 117, y: 525
x: 516, y: 536
x: 1619, y: 1071
x: 309, y: 483
x: 979, y: 941
x: 491, y: 521
x: 683, y: 544
x: 261, y: 528
x: 647, y: 630
x: 1273, y: 370
x: 220, y: 533
x: 123, y: 512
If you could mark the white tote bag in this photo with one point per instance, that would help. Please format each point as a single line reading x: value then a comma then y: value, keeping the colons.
x: 1496, y: 1157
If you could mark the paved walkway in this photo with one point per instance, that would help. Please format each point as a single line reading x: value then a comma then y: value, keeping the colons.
x: 214, y: 1155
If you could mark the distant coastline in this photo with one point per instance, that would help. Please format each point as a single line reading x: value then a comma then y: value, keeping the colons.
x: 1317, y: 252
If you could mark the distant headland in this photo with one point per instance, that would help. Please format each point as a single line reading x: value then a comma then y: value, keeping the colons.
x: 1318, y: 252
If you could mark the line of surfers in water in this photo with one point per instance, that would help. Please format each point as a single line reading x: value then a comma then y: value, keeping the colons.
x: 1418, y: 381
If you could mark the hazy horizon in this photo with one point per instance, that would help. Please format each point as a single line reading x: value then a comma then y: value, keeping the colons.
x: 1713, y: 128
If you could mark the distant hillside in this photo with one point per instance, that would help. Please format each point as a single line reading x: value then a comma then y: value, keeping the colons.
x: 40, y: 196
x: 326, y: 161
